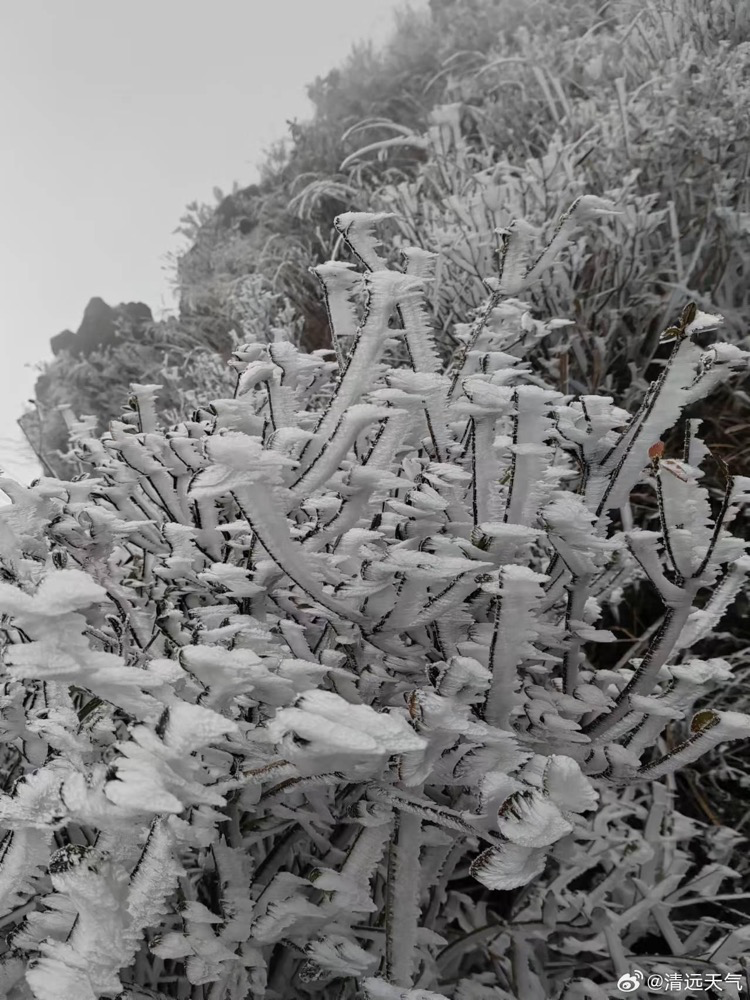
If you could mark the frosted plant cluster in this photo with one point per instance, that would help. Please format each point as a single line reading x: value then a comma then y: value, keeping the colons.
x: 293, y: 690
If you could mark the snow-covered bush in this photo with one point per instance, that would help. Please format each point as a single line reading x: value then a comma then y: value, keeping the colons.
x: 305, y: 696
x: 97, y: 383
x: 534, y: 102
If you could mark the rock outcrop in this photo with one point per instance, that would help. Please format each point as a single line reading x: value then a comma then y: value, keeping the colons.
x: 100, y: 326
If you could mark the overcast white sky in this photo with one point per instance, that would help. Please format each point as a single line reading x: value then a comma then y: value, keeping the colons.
x: 113, y: 117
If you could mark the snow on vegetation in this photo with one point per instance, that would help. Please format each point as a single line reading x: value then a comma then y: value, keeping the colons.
x: 294, y: 688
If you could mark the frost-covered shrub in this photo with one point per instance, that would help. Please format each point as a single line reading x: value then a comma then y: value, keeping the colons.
x: 644, y: 102
x: 97, y: 384
x: 301, y: 696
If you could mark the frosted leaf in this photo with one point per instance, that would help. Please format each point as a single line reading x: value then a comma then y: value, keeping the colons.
x: 372, y: 814
x: 59, y: 593
x: 175, y: 944
x: 189, y: 727
x: 495, y: 787
x: 701, y: 672
x: 519, y: 533
x: 568, y: 516
x: 229, y: 672
x: 655, y: 706
x: 443, y: 474
x: 324, y: 733
x: 147, y: 769
x: 63, y: 655
x: 86, y: 802
x: 388, y: 731
x: 358, y: 229
x: 708, y: 728
x: 60, y: 974
x: 531, y: 820
x: 142, y: 792
x: 590, y: 634
x: 492, y: 398
x: 622, y: 761
x: 508, y: 866
x: 301, y: 674
x: 341, y: 956
x: 556, y: 724
x: 167, y: 671
x: 522, y: 578
x: 317, y: 732
x: 350, y: 894
x: 489, y: 763
x: 422, y: 384
x: 725, y: 725
x: 567, y: 786
x: 703, y: 321
x: 740, y: 489
x: 464, y: 678
x: 23, y: 853
x: 237, y: 460
x: 233, y: 578
x: 287, y: 917
x: 592, y: 696
x: 35, y: 801
x: 426, y: 566
x: 255, y: 373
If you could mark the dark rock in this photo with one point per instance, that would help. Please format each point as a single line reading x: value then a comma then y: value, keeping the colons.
x: 136, y: 312
x: 135, y: 317
x: 99, y: 326
x: 65, y: 341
